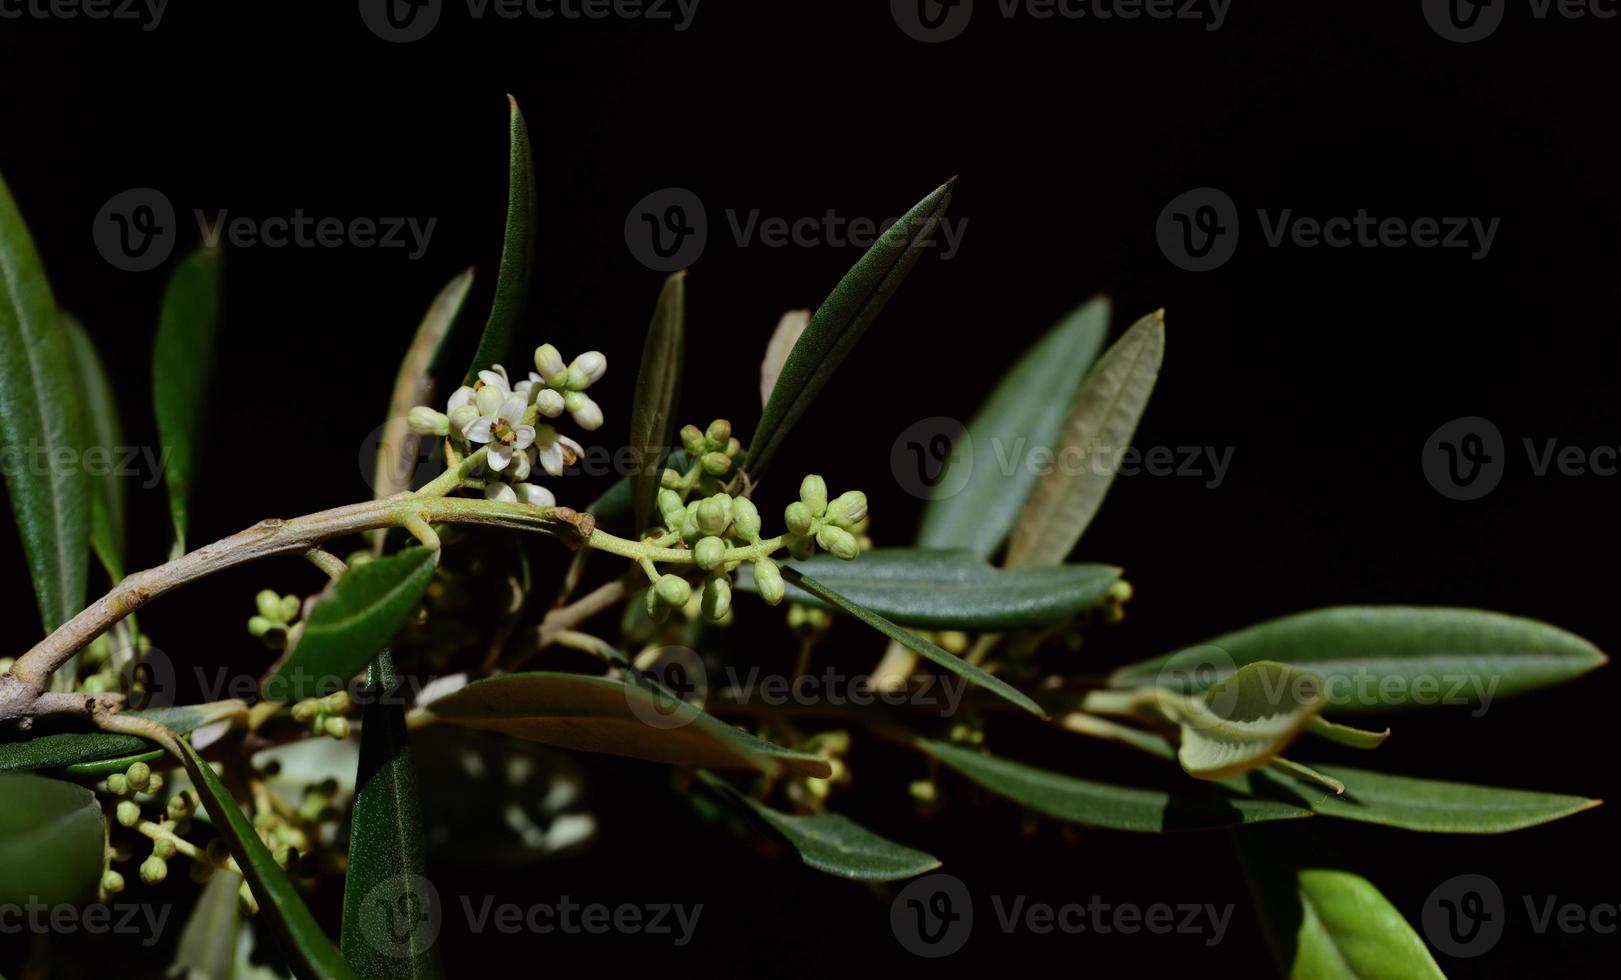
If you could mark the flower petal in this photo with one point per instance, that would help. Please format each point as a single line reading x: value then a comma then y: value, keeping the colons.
x: 551, y: 459
x: 478, y: 430
x: 489, y: 399
x: 534, y: 494
x: 524, y: 437
x: 461, y: 396
x: 499, y: 457
x: 512, y: 409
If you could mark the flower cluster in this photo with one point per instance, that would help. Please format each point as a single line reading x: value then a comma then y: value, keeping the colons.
x: 502, y: 419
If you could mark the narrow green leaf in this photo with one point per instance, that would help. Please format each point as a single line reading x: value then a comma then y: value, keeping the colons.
x: 413, y: 385
x: 1420, y: 804
x: 1321, y: 921
x: 1101, y: 804
x: 1024, y: 414
x: 50, y: 841
x: 207, y: 949
x: 386, y: 841
x: 913, y: 642
x: 830, y: 842
x: 38, y: 421
x: 1242, y: 722
x: 104, y: 434
x: 351, y: 623
x: 307, y: 950
x: 1372, y: 658
x: 182, y: 358
x: 841, y: 320
x: 517, y: 254
x: 595, y: 714
x: 73, y: 750
x: 952, y: 589
x: 1356, y: 738
x: 1095, y: 438
x: 658, y: 387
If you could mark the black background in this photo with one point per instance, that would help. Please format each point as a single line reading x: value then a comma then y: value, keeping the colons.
x: 1325, y: 369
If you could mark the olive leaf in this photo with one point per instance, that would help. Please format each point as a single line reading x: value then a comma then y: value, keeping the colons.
x: 952, y: 589
x: 182, y: 359
x: 104, y: 432
x: 658, y: 389
x: 77, y: 753
x: 783, y: 339
x: 517, y: 252
x: 1024, y: 414
x: 841, y: 320
x: 595, y: 714
x: 1094, y: 440
x: 1083, y: 801
x: 207, y: 947
x: 1242, y: 722
x: 829, y: 842
x: 1371, y: 658
x: 413, y: 385
x: 351, y: 623
x: 50, y: 841
x: 1322, y: 921
x: 38, y: 415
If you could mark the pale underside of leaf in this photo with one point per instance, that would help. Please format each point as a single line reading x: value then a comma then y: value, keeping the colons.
x: 413, y: 385
x: 783, y: 339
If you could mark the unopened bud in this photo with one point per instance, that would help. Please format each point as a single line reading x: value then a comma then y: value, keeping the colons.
x: 837, y: 541
x: 138, y: 776
x: 717, y: 598
x: 163, y: 847
x: 154, y: 869
x: 117, y: 784
x: 337, y: 727
x: 671, y: 508
x: 813, y: 491
x: 424, y: 421
x: 709, y: 552
x: 716, y: 464
x: 712, y: 516
x: 692, y: 440
x: 673, y: 591
x: 112, y: 882
x: 269, y: 604
x: 128, y: 813
x: 799, y: 518
x: 746, y: 519
x: 848, y: 510
x: 768, y: 580
x: 587, y: 369
x: 549, y: 363
x: 718, y: 434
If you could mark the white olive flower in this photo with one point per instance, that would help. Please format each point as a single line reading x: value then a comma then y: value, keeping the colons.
x: 500, y: 426
x: 555, y: 450
x: 534, y: 494
x: 461, y: 409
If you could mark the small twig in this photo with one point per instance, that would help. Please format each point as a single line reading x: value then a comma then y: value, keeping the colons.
x: 327, y: 562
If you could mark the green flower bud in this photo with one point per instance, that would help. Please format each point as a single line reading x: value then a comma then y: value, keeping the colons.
x: 801, y: 548
x: 154, y: 869
x: 656, y: 610
x: 838, y: 541
x: 1121, y: 591
x: 709, y: 552
x: 259, y: 626
x: 549, y: 365
x: 768, y: 580
x: 673, y: 591
x: 155, y: 784
x: 336, y: 727
x: 117, y: 784
x: 718, y: 434
x: 692, y: 440
x: 6, y: 663
x: 424, y: 421
x: 164, y: 848
x: 813, y: 491
x: 269, y: 604
x: 112, y: 882
x: 291, y: 605
x: 463, y: 417
x: 304, y: 710
x: 733, y: 447
x: 746, y: 519
x: 138, y: 776
x: 670, y: 479
x: 799, y: 518
x: 712, y: 516
x: 716, y: 464
x: 848, y: 510
x: 128, y: 813
x: 671, y: 508
x: 588, y: 368
x: 717, y: 598
x: 179, y: 807
x: 336, y: 702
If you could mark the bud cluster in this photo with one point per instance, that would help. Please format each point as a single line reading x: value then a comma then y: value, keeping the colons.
x: 275, y: 618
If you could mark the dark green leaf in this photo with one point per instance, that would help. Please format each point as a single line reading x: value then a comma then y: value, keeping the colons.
x: 386, y: 840
x: 595, y: 714
x: 307, y: 950
x: 1095, y: 438
x: 104, y: 434
x: 1025, y: 414
x: 1321, y: 921
x: 658, y: 387
x: 1103, y: 805
x: 50, y: 841
x: 841, y: 320
x: 1421, y: 804
x: 517, y: 254
x: 832, y: 843
x: 912, y: 641
x: 1376, y: 657
x: 413, y: 385
x: 349, y: 625
x: 953, y: 589
x: 86, y: 749
x: 182, y: 358
x: 207, y: 949
x: 40, y: 418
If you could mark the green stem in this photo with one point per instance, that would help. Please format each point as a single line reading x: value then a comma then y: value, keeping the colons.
x: 637, y: 550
